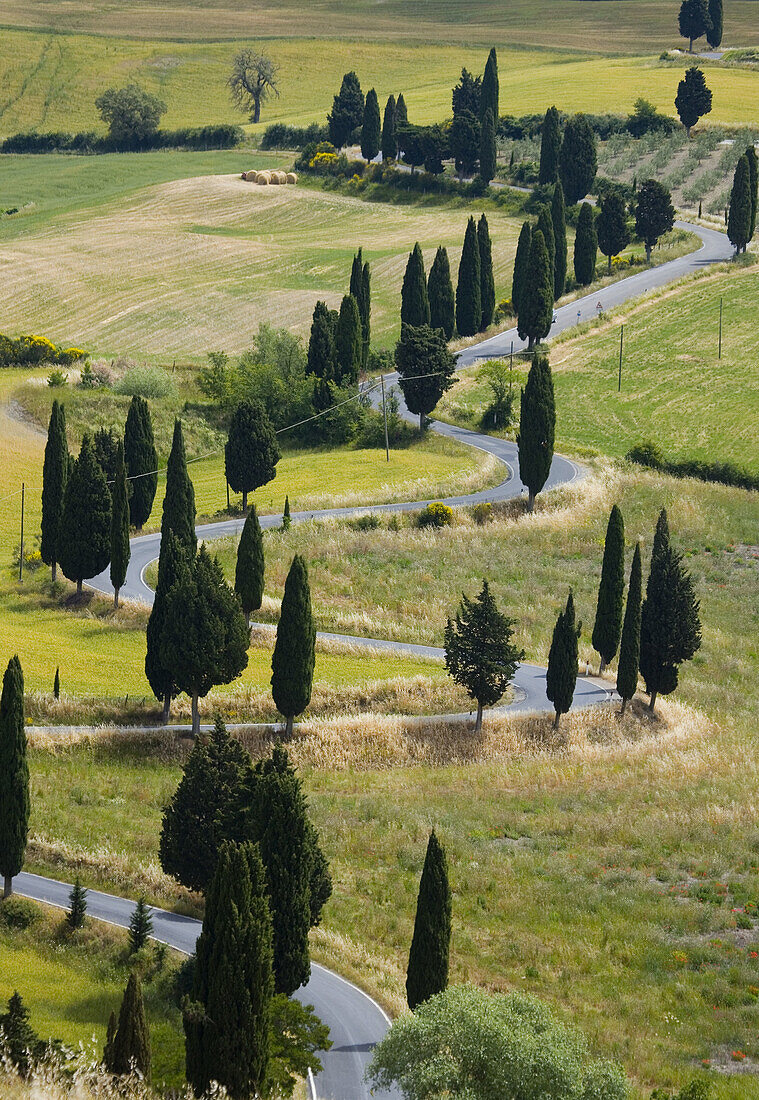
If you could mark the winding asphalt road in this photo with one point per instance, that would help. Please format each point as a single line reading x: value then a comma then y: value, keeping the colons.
x: 356, y: 1022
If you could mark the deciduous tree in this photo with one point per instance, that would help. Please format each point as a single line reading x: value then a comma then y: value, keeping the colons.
x: 55, y: 471
x: 14, y: 776
x: 428, y: 958
x: 131, y: 113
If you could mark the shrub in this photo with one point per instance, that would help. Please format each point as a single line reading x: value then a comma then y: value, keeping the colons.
x: 29, y: 351
x: 18, y: 912
x: 482, y: 513
x: 280, y: 136
x: 435, y: 515
x: 369, y: 522
x: 57, y: 377
x: 67, y: 356
x: 723, y: 473
x: 223, y: 136
x: 145, y: 382
x: 646, y: 454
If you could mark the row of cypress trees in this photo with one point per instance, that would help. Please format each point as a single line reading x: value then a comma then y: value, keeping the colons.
x: 540, y: 269
x: 569, y: 157
x: 338, y: 346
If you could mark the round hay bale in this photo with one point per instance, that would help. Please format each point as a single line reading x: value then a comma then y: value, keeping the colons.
x: 292, y: 177
x: 263, y: 177
x: 279, y: 177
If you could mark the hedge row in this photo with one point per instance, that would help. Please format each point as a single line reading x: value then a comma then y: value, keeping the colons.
x: 199, y: 137
x: 723, y: 473
x: 280, y: 136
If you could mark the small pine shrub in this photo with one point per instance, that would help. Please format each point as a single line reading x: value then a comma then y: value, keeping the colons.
x: 435, y: 515
x: 57, y: 377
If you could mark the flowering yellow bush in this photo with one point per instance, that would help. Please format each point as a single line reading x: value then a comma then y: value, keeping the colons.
x: 322, y: 160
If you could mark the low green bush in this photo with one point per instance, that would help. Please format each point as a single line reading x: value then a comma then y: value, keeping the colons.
x: 18, y: 912
x: 435, y: 515
x: 145, y: 382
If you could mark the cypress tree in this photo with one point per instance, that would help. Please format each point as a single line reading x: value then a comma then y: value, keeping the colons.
x: 536, y: 307
x: 608, y: 623
x: 347, y: 111
x: 714, y: 28
x: 140, y: 926
x: 427, y: 972
x: 141, y: 461
x: 489, y: 92
x: 740, y: 212
x: 693, y: 99
x: 371, y: 127
x: 654, y: 213
x: 629, y: 647
x: 521, y: 267
x: 479, y: 652
x: 586, y: 246
x: 488, y: 152
x: 693, y: 20
x: 14, y: 776
x: 120, y: 551
x: 158, y: 670
x: 537, y: 428
x: 275, y: 818
x: 578, y: 161
x: 84, y: 547
x: 286, y: 514
x: 110, y: 1038
x: 401, y: 112
x: 545, y: 226
x: 415, y: 304
x: 321, y: 344
x: 611, y: 226
x: 294, y: 654
x: 57, y: 683
x: 753, y: 176
x: 349, y: 342
x: 105, y: 445
x: 77, y: 906
x: 563, y: 664
x: 389, y: 141
x: 559, y: 226
x: 227, y: 1025
x: 131, y: 1043
x: 356, y: 285
x: 670, y: 625
x: 249, y: 568
x: 179, y: 502
x: 366, y: 312
x: 440, y: 294
x: 487, y: 282
x: 20, y: 1041
x: 550, y: 148
x: 203, y: 810
x: 468, y: 289
x: 54, y: 476
x: 425, y: 368
x: 205, y: 636
x: 251, y: 452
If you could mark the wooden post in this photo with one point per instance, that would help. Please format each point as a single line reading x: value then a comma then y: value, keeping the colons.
x: 621, y: 342
x: 21, y: 553
x: 384, y: 415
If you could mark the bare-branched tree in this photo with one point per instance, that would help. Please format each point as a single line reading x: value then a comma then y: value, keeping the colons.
x: 252, y: 81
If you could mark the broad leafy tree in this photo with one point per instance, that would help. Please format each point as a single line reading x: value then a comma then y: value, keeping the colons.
x: 249, y: 567
x: 415, y: 304
x: 536, y: 297
x: 347, y: 112
x: 612, y: 229
x: 253, y: 80
x: 693, y: 99
x: 480, y: 654
x: 120, y: 550
x: 654, y: 213
x: 550, y: 148
x: 141, y: 460
x: 607, y: 627
x: 426, y: 368
x: 578, y: 161
x: 178, y: 517
x: 389, y: 141
x: 563, y: 664
x: 14, y: 776
x: 740, y: 212
x: 251, y: 453
x: 537, y: 428
x: 130, y: 113
x: 427, y: 972
x: 559, y: 224
x: 487, y: 281
x: 294, y: 654
x: 670, y: 626
x: 55, y: 471
x: 440, y: 293
x: 371, y: 128
x: 521, y: 267
x: 469, y: 286
x: 85, y: 531
x: 629, y: 647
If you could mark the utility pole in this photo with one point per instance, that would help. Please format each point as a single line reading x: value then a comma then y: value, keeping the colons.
x: 621, y: 341
x: 719, y: 352
x: 511, y: 367
x: 21, y: 554
x: 384, y: 417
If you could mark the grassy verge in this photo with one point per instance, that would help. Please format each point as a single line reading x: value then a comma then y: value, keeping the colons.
x: 71, y: 982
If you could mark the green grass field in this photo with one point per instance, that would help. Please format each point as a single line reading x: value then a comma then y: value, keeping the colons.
x: 50, y: 82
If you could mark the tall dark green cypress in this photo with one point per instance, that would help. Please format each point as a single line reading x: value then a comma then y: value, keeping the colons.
x: 415, y: 303
x: 559, y: 224
x: 586, y: 246
x: 430, y: 946
x: 545, y: 226
x: 77, y: 906
x: 401, y: 112
x: 294, y: 654
x: 608, y: 623
x: 670, y: 624
x: 179, y: 502
x: 130, y: 1050
x: 14, y: 776
x: 349, y: 342
x: 141, y: 460
x: 488, y: 151
x: 487, y: 282
x: 714, y: 28
x: 753, y: 177
x: 371, y: 129
x: 158, y: 672
x: 120, y: 551
x: 521, y: 266
x: 629, y: 647
x: 536, y: 307
x: 389, y: 141
x: 740, y: 213
x: 550, y: 147
x: 251, y: 453
x: 440, y: 294
x: 85, y: 529
x: 578, y: 160
x: 563, y: 662
x: 537, y: 428
x: 366, y: 312
x: 227, y: 1024
x: 321, y: 345
x: 55, y: 471
x: 489, y: 90
x: 249, y: 568
x: 468, y: 289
